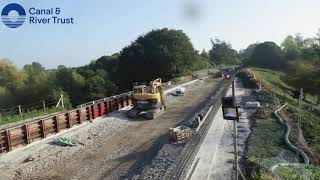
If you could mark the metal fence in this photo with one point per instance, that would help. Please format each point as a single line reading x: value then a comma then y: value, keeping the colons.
x: 28, y: 132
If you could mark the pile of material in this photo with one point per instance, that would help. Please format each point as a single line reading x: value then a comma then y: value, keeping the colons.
x: 253, y: 105
x: 179, y: 133
x: 262, y: 113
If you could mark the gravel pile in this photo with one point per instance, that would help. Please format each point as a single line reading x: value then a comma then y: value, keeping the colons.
x: 164, y: 159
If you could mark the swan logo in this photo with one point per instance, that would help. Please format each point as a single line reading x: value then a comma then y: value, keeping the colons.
x: 13, y: 15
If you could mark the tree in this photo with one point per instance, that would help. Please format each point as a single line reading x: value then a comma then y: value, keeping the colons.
x: 72, y: 83
x: 160, y: 53
x: 204, y: 54
x: 110, y: 64
x: 222, y: 53
x: 317, y: 43
x: 12, y: 80
x: 95, y: 87
x: 300, y: 74
x: 292, y: 47
x: 296, y: 47
x: 245, y: 54
x: 36, y: 84
x: 267, y: 55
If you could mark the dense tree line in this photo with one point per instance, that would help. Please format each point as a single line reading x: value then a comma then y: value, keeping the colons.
x: 298, y: 57
x: 163, y: 53
x: 160, y: 53
x: 270, y: 55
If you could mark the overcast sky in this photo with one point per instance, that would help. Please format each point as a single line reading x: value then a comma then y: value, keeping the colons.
x: 105, y: 27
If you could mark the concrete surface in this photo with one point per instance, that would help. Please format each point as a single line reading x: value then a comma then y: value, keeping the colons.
x: 216, y: 155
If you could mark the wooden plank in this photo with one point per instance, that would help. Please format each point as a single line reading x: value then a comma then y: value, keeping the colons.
x: 118, y: 105
x: 27, y: 135
x: 80, y: 114
x: 123, y: 103
x: 69, y: 120
x: 56, y: 120
x: 8, y: 140
x: 43, y: 127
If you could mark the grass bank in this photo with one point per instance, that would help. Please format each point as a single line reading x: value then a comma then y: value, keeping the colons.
x: 265, y: 146
x: 310, y: 122
x: 27, y: 115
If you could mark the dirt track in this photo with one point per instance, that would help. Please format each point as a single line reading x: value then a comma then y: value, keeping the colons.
x: 119, y: 152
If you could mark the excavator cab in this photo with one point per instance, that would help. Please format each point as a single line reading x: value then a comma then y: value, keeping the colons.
x: 147, y: 100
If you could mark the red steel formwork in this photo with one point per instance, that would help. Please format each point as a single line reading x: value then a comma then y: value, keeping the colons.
x: 21, y: 135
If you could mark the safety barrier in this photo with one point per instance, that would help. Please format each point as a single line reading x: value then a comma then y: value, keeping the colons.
x: 23, y: 134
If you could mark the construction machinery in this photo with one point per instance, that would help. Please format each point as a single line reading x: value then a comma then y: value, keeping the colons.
x: 147, y: 100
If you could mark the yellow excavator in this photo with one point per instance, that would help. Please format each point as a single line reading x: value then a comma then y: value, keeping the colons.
x: 147, y: 100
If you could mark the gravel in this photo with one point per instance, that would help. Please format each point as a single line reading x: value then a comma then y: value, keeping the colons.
x: 36, y: 157
x: 164, y: 159
x: 32, y: 160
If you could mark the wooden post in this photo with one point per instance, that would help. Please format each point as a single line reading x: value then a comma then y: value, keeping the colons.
x: 62, y: 103
x: 56, y: 120
x: 43, y: 128
x: 8, y: 140
x: 69, y: 120
x: 27, y: 133
x: 44, y: 105
x: 20, y: 112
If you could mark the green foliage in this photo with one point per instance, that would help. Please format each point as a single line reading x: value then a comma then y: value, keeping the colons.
x: 310, y: 118
x: 296, y: 47
x: 31, y: 114
x: 298, y: 172
x: 266, y: 140
x: 245, y: 54
x: 264, y: 97
x: 222, y: 53
x: 160, y: 53
x: 302, y: 74
x: 264, y: 145
x: 267, y: 55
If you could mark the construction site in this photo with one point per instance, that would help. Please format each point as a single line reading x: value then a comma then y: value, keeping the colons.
x: 172, y: 90
x: 172, y: 130
x: 107, y: 144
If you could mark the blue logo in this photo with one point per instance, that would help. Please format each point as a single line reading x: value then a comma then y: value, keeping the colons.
x: 13, y: 15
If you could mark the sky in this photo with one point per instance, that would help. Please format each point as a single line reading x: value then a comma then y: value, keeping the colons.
x: 105, y: 27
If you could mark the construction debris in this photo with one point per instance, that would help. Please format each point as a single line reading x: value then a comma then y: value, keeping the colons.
x: 255, y: 104
x: 180, y: 91
x: 28, y: 159
x: 62, y: 141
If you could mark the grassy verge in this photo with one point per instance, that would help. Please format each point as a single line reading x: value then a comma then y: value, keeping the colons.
x: 31, y: 114
x: 310, y: 123
x: 265, y: 143
x: 298, y: 172
x: 265, y: 148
